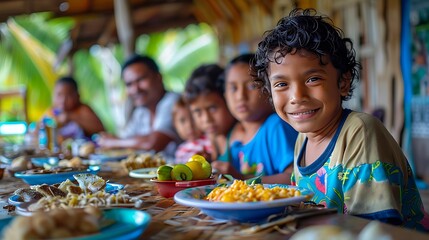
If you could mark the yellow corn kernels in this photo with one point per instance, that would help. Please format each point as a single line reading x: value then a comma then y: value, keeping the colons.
x: 239, y: 191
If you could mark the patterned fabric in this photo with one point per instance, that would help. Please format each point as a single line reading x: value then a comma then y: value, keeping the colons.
x: 363, y: 172
x: 269, y: 152
x: 189, y: 148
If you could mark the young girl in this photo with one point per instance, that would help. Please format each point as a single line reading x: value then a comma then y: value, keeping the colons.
x: 348, y: 159
x: 194, y: 141
x: 204, y: 95
x: 260, y: 143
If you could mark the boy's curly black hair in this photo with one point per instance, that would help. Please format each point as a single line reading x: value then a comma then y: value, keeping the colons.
x: 303, y: 29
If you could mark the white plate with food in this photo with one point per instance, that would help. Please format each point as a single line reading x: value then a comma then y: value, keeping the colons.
x: 17, y: 199
x: 147, y: 173
x: 239, y: 211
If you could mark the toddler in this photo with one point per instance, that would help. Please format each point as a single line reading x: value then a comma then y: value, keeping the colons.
x: 194, y: 141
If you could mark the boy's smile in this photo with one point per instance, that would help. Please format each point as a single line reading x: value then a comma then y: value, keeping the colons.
x: 306, y: 93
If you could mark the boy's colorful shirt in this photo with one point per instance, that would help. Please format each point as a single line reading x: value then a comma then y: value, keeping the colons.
x: 269, y: 152
x: 363, y: 172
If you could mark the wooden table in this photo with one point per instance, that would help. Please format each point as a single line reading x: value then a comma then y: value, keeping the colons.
x: 172, y: 221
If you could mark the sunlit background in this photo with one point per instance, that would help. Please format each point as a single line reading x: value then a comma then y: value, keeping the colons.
x: 28, y: 47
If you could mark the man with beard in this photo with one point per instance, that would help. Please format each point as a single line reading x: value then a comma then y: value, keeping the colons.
x: 149, y: 122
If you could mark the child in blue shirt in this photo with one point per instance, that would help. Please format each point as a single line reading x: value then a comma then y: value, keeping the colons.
x: 260, y: 143
x: 348, y: 159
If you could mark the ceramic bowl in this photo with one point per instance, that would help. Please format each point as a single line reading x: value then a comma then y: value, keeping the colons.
x: 238, y: 211
x: 42, y: 161
x: 169, y: 188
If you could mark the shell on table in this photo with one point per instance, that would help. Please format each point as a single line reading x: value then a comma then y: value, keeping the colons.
x: 91, y: 182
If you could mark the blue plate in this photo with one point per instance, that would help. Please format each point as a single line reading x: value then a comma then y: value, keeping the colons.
x: 129, y: 224
x: 107, y: 158
x: 242, y: 212
x: 52, y: 178
x: 110, y: 188
x: 42, y: 161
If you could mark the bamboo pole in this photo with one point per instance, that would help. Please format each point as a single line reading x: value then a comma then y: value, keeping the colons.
x: 124, y: 26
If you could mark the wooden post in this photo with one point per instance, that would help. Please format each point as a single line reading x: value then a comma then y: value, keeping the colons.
x: 124, y: 26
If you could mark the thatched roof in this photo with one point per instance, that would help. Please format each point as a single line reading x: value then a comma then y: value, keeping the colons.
x: 95, y: 19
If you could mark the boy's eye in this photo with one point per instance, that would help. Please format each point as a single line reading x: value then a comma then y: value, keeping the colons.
x: 313, y: 79
x: 280, y: 84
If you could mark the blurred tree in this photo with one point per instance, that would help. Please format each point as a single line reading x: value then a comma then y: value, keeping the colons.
x: 28, y: 46
x: 26, y: 57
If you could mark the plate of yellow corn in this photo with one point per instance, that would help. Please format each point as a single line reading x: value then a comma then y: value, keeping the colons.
x: 241, y: 202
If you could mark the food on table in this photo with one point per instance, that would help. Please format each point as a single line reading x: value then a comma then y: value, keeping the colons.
x: 201, y: 168
x: 49, y: 191
x: 28, y: 194
x: 115, y: 152
x: 197, y: 168
x: 37, y: 192
x: 144, y: 160
x: 75, y: 162
x: 51, y: 170
x: 91, y: 182
x: 239, y: 191
x: 163, y: 173
x: 59, y: 223
x: 20, y: 164
x: 100, y: 199
x: 68, y: 195
x: 86, y: 149
x: 69, y: 187
x: 181, y: 172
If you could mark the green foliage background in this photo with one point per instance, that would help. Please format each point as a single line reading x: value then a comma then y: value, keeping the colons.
x: 28, y: 46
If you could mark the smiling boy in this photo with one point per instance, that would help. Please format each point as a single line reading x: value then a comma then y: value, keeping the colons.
x: 348, y: 159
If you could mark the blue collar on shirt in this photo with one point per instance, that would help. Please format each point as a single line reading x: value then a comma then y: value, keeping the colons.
x: 316, y: 165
